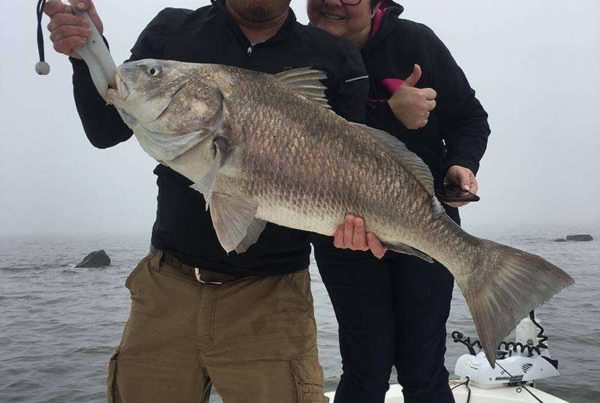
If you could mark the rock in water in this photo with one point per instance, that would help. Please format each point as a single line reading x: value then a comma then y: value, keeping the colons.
x: 97, y: 258
x: 580, y: 237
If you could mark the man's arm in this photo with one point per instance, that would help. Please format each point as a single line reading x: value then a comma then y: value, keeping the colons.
x: 348, y: 91
x: 101, y: 122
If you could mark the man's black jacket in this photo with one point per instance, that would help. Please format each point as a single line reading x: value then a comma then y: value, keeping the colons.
x: 210, y: 35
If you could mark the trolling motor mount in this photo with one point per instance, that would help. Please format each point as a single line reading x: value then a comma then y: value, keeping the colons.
x: 523, y: 361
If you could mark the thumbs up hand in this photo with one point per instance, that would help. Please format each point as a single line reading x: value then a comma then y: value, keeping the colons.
x: 412, y: 105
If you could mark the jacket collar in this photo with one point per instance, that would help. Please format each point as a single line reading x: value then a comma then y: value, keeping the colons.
x: 387, y: 12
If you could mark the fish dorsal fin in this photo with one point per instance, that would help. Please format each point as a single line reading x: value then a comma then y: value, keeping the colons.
x: 408, y: 159
x: 306, y: 82
x: 234, y: 221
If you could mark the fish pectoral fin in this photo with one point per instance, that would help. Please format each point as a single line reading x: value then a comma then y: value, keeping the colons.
x: 255, y: 228
x: 202, y: 188
x: 408, y: 250
x: 306, y: 82
x: 205, y: 186
x: 234, y: 221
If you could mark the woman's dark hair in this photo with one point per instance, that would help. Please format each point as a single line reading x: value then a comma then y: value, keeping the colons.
x: 373, y: 3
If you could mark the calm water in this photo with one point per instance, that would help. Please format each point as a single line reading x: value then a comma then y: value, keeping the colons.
x: 59, y: 325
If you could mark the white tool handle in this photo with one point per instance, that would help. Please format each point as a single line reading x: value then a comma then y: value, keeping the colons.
x: 96, y: 55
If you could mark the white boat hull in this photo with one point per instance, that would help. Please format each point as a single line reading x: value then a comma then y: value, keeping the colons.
x: 513, y: 394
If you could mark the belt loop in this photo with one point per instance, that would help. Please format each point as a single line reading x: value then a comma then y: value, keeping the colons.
x: 156, y: 259
x: 198, y: 273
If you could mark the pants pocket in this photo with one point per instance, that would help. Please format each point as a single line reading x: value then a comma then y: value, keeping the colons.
x: 299, y: 285
x: 142, y: 264
x: 112, y: 392
x: 308, y: 380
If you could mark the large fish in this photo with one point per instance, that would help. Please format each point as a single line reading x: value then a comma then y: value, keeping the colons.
x: 263, y: 147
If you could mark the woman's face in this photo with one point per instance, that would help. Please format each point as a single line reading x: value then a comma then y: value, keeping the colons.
x: 342, y: 20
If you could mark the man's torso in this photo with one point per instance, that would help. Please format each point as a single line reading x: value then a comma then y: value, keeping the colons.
x: 209, y: 35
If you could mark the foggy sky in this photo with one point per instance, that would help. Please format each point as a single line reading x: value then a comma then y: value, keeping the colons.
x: 535, y: 66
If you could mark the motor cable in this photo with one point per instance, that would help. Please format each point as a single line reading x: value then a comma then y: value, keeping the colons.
x: 521, y: 385
x: 466, y: 383
x: 458, y: 337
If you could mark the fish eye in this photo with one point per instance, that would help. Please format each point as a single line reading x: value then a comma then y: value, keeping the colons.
x: 154, y: 71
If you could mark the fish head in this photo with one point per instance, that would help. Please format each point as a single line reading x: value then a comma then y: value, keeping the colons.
x: 171, y: 106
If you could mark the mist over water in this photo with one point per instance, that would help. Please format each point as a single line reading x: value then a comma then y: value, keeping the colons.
x: 533, y: 64
x: 59, y: 325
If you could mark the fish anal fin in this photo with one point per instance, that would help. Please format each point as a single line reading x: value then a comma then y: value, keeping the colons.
x: 232, y: 218
x: 408, y: 250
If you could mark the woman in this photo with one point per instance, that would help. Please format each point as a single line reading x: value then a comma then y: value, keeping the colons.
x: 392, y: 311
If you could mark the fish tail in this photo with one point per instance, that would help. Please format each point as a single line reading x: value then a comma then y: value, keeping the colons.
x: 503, y: 285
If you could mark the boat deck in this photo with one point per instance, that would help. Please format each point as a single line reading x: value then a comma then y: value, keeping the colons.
x: 512, y: 394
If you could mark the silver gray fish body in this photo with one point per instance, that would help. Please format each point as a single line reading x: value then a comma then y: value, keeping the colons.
x: 265, y: 148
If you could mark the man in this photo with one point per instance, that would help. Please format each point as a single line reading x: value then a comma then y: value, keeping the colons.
x: 244, y: 322
x: 393, y: 311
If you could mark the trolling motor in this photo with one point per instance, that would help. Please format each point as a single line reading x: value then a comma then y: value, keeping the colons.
x: 95, y: 53
x: 517, y: 363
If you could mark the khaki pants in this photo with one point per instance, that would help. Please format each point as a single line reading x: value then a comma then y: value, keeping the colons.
x: 253, y: 338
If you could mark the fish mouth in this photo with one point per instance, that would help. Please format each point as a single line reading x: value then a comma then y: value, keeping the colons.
x: 120, y: 94
x: 122, y: 87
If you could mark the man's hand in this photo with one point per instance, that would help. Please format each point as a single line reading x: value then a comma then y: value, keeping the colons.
x: 68, y: 31
x: 463, y: 178
x: 412, y: 105
x: 353, y: 235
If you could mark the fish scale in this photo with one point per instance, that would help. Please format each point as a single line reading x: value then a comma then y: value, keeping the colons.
x: 349, y: 189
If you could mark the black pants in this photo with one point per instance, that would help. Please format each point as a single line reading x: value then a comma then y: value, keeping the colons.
x: 391, y: 312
